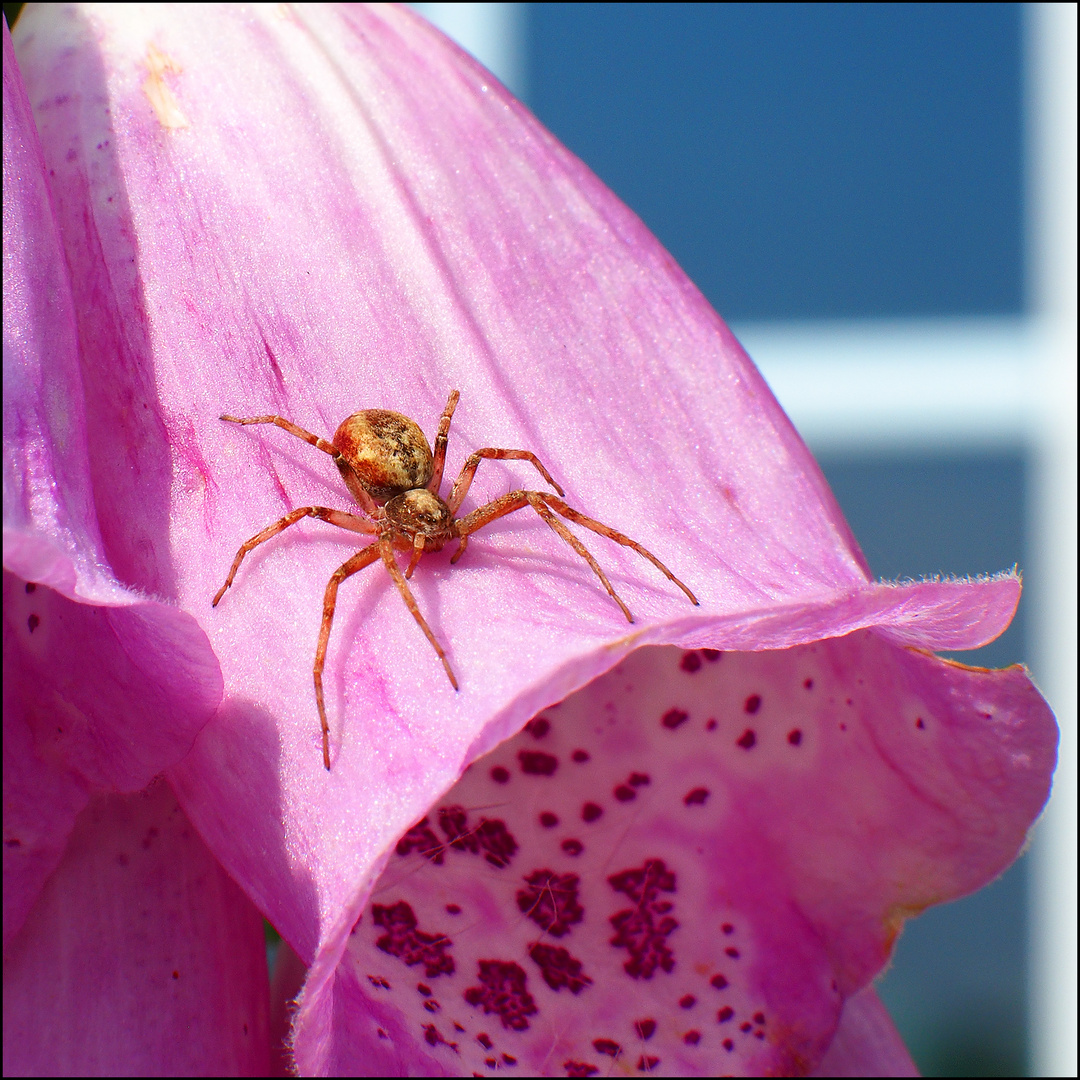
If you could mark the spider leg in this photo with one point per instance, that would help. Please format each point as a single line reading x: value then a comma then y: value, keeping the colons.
x: 465, y: 478
x: 356, y: 489
x: 440, y: 443
x: 347, y: 569
x: 387, y: 551
x: 541, y: 501
x: 419, y: 544
x: 516, y: 500
x: 324, y: 513
x: 601, y: 529
x: 285, y: 425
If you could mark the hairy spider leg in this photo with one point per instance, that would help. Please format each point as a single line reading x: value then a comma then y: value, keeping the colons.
x: 285, y: 425
x: 599, y: 527
x: 441, y: 439
x: 347, y: 569
x: 387, y: 550
x: 543, y: 503
x: 419, y: 544
x: 517, y: 500
x: 352, y: 482
x: 323, y: 513
x: 465, y: 477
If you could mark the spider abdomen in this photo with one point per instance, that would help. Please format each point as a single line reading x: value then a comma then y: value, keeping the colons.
x: 387, y: 451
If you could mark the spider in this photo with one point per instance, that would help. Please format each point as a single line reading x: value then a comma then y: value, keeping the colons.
x: 390, y: 471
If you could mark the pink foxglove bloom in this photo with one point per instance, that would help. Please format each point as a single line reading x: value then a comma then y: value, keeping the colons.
x: 696, y: 863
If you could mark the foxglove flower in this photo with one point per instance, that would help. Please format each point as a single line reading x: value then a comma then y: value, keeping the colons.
x: 311, y: 211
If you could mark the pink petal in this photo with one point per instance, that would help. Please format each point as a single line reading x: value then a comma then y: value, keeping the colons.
x: 866, y: 1043
x: 314, y: 210
x: 698, y: 861
x: 139, y: 935
x: 102, y: 686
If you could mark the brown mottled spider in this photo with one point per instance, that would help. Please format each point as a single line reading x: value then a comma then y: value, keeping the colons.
x: 390, y: 471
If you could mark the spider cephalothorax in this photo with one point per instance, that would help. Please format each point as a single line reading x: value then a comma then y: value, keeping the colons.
x: 392, y: 474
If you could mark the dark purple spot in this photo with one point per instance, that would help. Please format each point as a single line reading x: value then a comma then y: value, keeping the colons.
x: 497, y: 842
x: 537, y: 763
x: 580, y: 755
x: 559, y: 968
x: 579, y: 1068
x: 590, y: 812
x: 453, y: 909
x: 690, y: 661
x: 432, y: 1006
x: 433, y: 1037
x: 639, y: 779
x: 849, y: 702
x: 409, y: 944
x: 484, y: 1040
x: 647, y: 1064
x: 725, y: 1014
x: 645, y: 1029
x: 759, y: 1018
x: 424, y: 989
x: 502, y: 991
x: 500, y: 775
x: 919, y: 723
x: 454, y: 822
x: 687, y: 1001
x: 747, y: 739
x: 548, y: 820
x: 794, y: 736
x: 759, y: 1034
x: 30, y: 586
x: 752, y: 704
x: 732, y: 952
x: 572, y: 846
x: 625, y: 793
x: 696, y: 797
x: 745, y: 1027
x: 692, y: 1038
x: 491, y: 1063
x: 728, y: 1045
x: 643, y: 930
x: 489, y: 837
x: 33, y: 622
x: 719, y: 982
x: 551, y: 901
x: 808, y: 683
x: 607, y: 1046
x: 712, y: 655
x: 508, y: 1060
x: 379, y: 982
x: 673, y: 718
x: 538, y: 727
x: 13, y: 843
x: 710, y: 725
